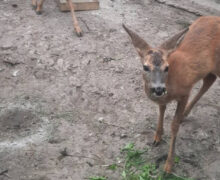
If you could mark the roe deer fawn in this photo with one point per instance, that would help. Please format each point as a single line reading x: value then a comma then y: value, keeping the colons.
x: 170, y: 71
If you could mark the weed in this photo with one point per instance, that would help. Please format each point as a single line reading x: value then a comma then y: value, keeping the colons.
x: 134, y: 167
x: 97, y: 178
x: 112, y: 167
x: 176, y: 159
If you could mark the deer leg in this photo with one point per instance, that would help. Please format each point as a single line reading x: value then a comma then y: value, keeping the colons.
x: 174, y: 130
x: 75, y: 21
x: 34, y: 4
x: 207, y: 83
x: 39, y: 7
x: 159, y: 131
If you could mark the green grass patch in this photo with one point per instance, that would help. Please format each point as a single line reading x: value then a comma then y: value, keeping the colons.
x: 133, y: 166
x: 97, y: 178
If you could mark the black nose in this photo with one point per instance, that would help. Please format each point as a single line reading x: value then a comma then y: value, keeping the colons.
x: 158, y: 90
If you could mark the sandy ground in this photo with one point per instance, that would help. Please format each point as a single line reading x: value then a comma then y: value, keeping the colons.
x: 86, y: 94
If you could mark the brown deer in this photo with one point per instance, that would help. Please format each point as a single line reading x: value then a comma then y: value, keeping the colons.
x: 170, y: 71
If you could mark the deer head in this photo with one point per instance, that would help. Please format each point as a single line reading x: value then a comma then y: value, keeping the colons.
x: 154, y: 61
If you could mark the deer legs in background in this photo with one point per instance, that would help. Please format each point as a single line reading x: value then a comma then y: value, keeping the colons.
x: 37, y: 5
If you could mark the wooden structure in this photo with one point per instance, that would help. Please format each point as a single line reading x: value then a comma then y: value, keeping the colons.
x: 79, y: 5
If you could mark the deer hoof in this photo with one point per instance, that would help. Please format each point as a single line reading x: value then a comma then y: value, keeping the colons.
x: 187, y: 111
x: 185, y: 114
x: 79, y: 34
x: 78, y: 31
x: 38, y: 12
x: 157, y: 140
x: 155, y: 143
x: 34, y: 7
x: 168, y: 168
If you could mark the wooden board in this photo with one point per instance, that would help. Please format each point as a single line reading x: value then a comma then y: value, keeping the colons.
x: 79, y: 5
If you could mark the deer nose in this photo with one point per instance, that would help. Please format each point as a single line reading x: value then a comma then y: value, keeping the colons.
x: 159, y: 90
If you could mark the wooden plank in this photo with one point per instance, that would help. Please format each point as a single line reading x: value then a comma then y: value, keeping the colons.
x: 79, y: 5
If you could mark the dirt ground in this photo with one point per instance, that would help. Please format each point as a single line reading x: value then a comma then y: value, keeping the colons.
x: 86, y: 94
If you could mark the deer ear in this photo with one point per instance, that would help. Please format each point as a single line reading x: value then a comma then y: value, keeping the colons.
x: 140, y: 45
x: 172, y: 43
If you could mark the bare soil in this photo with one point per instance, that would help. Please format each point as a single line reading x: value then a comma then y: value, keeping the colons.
x: 86, y: 94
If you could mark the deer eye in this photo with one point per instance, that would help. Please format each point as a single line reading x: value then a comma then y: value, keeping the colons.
x: 150, y: 52
x: 166, y: 69
x: 146, y: 68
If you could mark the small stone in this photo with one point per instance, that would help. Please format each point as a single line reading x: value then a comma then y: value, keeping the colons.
x: 14, y: 5
x: 55, y: 140
x: 113, y: 134
x: 137, y: 135
x: 74, y: 81
x: 101, y: 119
x: 123, y: 136
x: 111, y: 94
x: 119, y: 160
x: 119, y: 70
x: 15, y: 73
x: 89, y: 163
x: 50, y: 61
x: 27, y: 97
x: 201, y: 135
x: 59, y: 65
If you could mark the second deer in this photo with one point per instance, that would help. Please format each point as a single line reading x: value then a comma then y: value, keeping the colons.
x: 171, y: 70
x: 38, y: 5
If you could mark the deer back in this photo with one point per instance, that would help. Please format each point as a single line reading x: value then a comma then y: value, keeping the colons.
x: 197, y: 55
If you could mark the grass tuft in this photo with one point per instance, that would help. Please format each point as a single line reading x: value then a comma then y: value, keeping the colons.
x: 134, y: 167
x: 97, y: 178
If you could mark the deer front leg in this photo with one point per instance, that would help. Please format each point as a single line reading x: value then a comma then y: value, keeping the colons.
x: 159, y: 131
x: 174, y: 130
x: 39, y: 7
x: 34, y: 4
x: 75, y: 21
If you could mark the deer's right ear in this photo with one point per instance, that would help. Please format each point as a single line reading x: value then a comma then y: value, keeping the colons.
x: 140, y: 45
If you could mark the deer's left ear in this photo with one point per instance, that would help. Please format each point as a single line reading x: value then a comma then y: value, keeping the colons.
x: 171, y: 44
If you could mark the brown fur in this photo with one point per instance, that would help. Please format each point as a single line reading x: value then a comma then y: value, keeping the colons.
x: 190, y: 59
